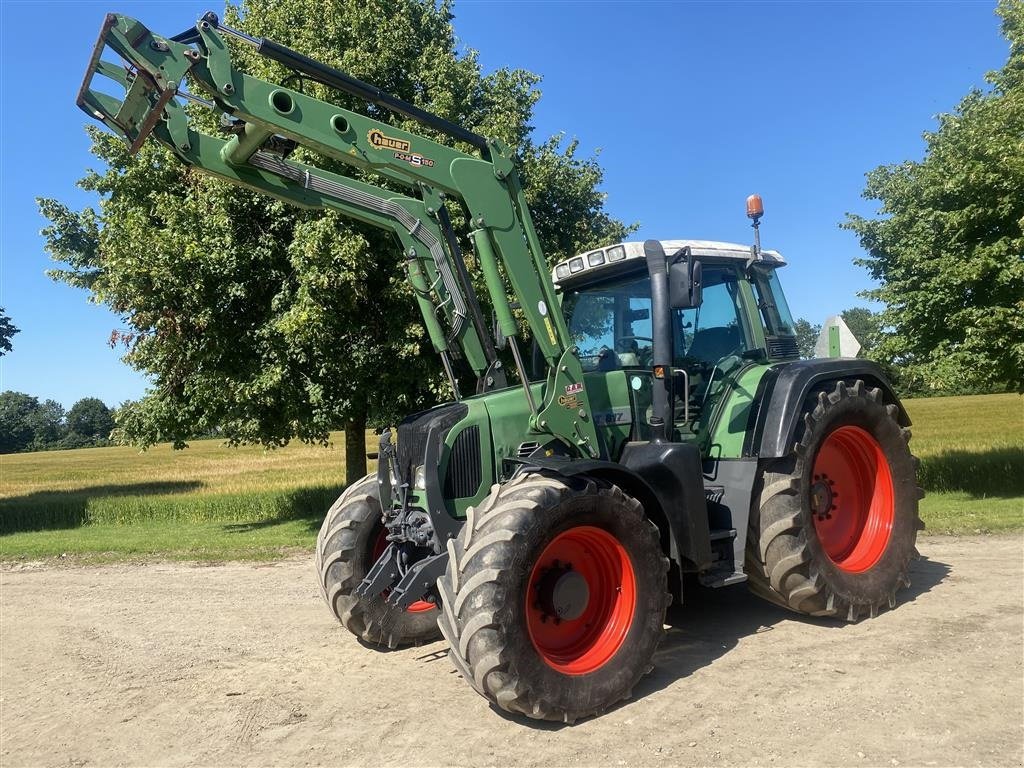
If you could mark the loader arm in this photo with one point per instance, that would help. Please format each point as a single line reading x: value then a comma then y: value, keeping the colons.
x: 154, y: 75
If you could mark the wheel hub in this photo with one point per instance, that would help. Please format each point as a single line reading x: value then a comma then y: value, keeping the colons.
x: 822, y: 497
x: 562, y: 593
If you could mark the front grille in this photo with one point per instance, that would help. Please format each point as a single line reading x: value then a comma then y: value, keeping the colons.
x: 413, y: 431
x: 464, y: 470
x: 782, y: 347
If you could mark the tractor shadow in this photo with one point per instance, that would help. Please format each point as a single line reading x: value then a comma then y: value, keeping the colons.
x: 712, y: 622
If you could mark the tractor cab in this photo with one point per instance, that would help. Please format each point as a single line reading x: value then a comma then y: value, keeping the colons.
x: 741, y: 320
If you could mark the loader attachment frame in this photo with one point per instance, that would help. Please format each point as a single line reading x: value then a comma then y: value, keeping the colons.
x: 268, y: 116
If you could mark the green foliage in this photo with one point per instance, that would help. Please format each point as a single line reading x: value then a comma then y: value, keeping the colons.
x: 806, y: 337
x: 28, y: 425
x: 7, y: 330
x: 48, y: 425
x: 266, y: 323
x: 947, y: 249
x: 90, y: 418
x: 865, y: 325
x: 16, y: 409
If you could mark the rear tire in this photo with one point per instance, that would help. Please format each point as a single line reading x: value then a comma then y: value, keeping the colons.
x: 555, y: 595
x: 350, y: 540
x: 837, y: 521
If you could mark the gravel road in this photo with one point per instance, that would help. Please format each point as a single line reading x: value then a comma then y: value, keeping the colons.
x: 241, y: 664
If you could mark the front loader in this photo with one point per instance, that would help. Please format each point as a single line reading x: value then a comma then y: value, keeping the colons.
x: 654, y: 425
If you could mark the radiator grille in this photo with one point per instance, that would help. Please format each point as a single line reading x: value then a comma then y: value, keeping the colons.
x: 464, y: 470
x: 782, y: 347
x: 412, y: 434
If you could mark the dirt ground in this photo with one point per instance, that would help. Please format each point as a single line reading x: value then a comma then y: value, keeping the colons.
x: 241, y: 664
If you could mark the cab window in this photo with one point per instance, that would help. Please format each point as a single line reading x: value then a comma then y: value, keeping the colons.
x: 611, y: 324
x: 714, y: 330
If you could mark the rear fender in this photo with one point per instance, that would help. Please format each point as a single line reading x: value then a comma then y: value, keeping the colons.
x: 783, y: 391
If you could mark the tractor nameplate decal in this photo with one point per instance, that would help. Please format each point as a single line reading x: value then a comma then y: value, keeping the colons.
x: 414, y: 159
x: 379, y: 140
x: 569, y: 401
x: 572, y: 389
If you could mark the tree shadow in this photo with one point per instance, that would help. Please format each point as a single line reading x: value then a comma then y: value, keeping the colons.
x: 55, y: 510
x: 991, y: 473
x: 308, y: 505
x: 712, y: 621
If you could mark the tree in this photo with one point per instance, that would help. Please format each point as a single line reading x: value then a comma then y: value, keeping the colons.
x: 90, y: 418
x: 271, y: 323
x: 7, y: 330
x: 947, y: 248
x: 48, y: 426
x: 16, y: 409
x: 806, y: 337
x: 864, y: 325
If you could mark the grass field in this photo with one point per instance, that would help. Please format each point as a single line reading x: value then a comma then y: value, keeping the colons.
x: 211, y: 502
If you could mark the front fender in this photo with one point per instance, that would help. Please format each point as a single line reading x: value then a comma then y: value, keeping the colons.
x: 666, y: 479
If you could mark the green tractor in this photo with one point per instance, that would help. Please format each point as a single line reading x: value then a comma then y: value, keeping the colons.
x: 637, y: 418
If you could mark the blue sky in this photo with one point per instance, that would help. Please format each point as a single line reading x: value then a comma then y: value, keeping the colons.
x: 692, y: 105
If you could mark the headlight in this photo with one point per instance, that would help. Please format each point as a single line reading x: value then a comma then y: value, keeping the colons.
x: 618, y: 253
x: 419, y: 478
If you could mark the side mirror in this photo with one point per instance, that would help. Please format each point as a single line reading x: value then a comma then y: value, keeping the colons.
x: 684, y: 282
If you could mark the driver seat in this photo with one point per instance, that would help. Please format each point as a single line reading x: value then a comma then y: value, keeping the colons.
x: 629, y: 357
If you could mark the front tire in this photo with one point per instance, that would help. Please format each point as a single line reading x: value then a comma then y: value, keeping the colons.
x: 555, y: 595
x: 837, y: 521
x: 350, y: 541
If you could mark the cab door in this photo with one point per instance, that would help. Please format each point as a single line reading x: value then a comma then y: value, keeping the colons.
x: 709, y: 343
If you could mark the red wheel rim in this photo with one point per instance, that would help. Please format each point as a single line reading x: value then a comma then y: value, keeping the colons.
x: 580, y: 633
x: 851, y: 498
x: 379, y: 545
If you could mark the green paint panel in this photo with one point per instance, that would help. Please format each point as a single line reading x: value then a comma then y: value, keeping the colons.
x: 833, y: 342
x: 729, y: 428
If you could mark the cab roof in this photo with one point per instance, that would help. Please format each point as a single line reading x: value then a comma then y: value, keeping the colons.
x: 621, y: 257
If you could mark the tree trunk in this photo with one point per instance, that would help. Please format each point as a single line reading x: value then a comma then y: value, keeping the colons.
x: 355, y: 447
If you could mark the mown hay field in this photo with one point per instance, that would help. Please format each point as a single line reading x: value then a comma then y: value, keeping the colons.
x: 213, y: 502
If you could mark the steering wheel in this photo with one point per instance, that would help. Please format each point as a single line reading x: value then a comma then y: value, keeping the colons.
x: 635, y: 338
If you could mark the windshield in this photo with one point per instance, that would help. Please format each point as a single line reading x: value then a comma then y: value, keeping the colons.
x: 610, y: 323
x: 771, y: 302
